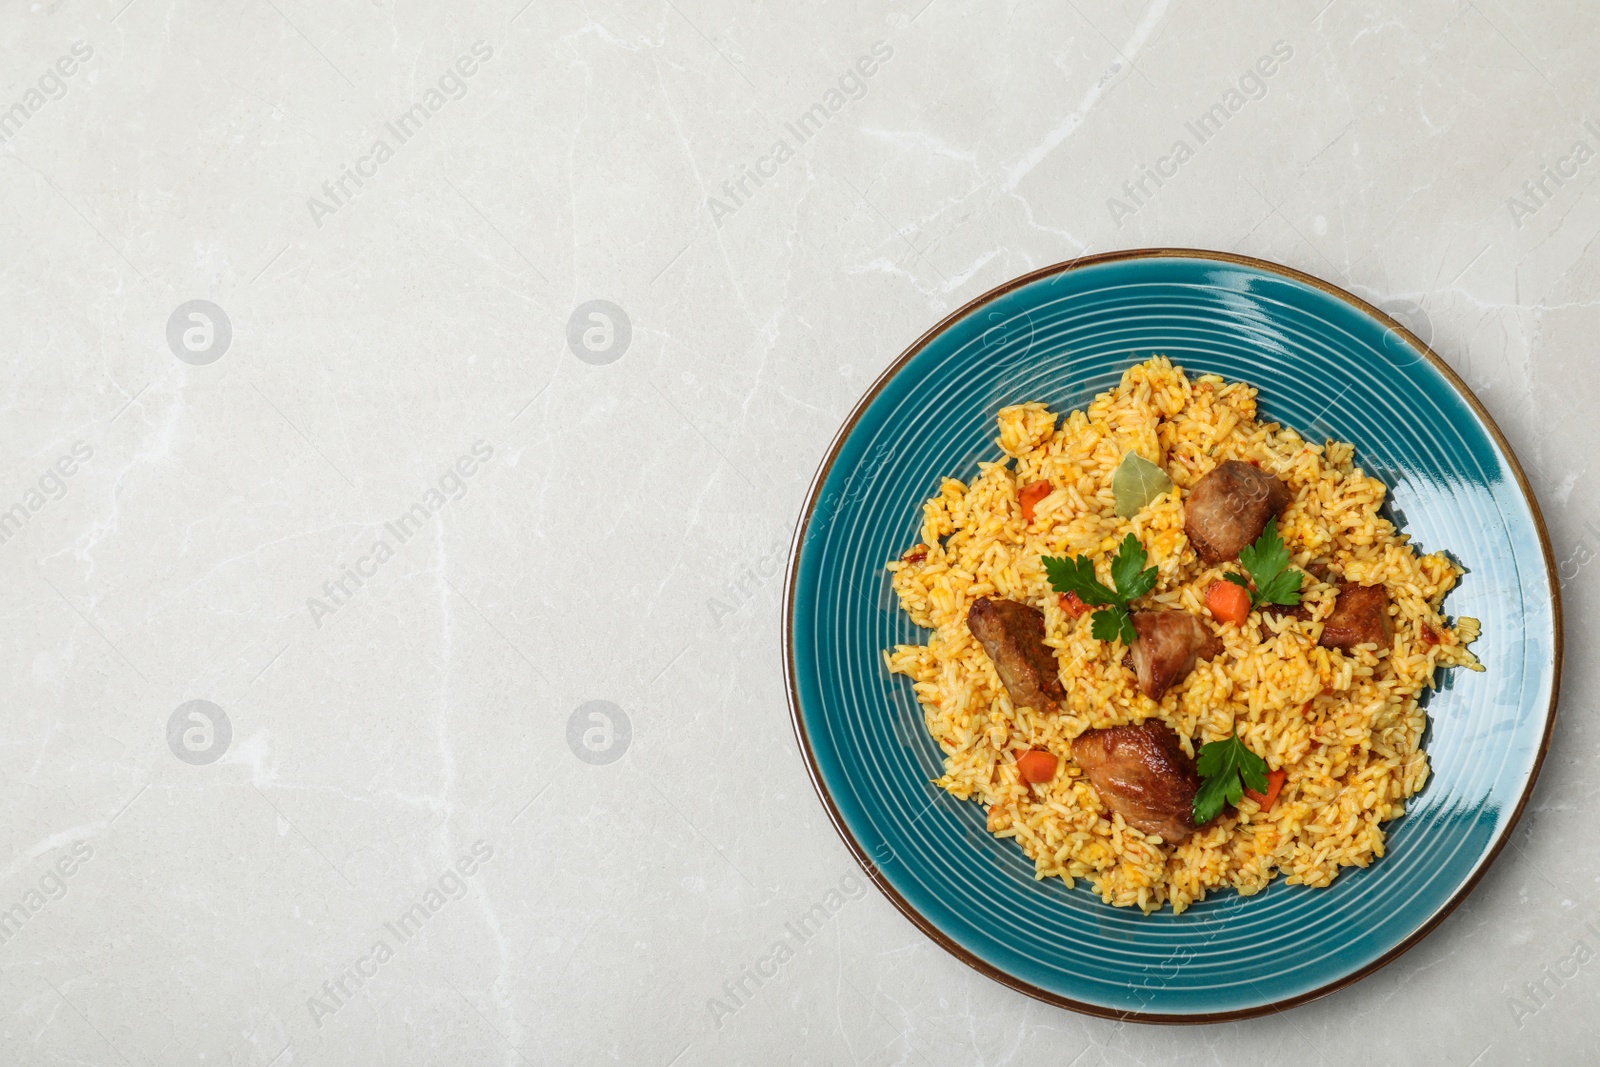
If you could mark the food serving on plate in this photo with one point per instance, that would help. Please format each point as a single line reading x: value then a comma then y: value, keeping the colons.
x: 1176, y: 648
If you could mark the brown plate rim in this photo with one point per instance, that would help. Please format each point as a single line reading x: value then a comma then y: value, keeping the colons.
x: 917, y: 918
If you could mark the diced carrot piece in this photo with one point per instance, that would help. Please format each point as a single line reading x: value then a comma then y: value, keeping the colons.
x: 1072, y: 605
x: 1030, y: 495
x: 1228, y: 602
x: 1036, y: 765
x: 1275, y: 780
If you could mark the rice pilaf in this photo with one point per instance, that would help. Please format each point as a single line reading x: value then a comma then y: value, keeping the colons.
x: 1344, y: 726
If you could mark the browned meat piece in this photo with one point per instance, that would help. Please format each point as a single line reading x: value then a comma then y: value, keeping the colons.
x: 1142, y: 774
x: 1285, y: 611
x: 1013, y: 635
x: 1360, y: 615
x: 1170, y: 644
x: 1228, y: 509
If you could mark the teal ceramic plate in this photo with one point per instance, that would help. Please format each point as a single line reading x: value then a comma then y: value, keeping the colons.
x: 1328, y: 365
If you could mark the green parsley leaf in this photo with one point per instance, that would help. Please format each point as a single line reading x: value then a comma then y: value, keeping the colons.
x: 1129, y: 572
x: 1223, y: 764
x: 1283, y: 588
x: 1136, y: 483
x: 1108, y: 624
x: 1268, y: 563
x: 1075, y: 574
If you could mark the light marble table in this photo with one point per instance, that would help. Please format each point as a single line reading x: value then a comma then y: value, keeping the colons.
x: 392, y: 652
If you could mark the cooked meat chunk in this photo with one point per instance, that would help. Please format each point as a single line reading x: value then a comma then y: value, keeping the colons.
x: 1170, y: 644
x: 1013, y: 636
x: 1286, y: 611
x: 1228, y: 509
x: 1360, y: 615
x: 1142, y: 774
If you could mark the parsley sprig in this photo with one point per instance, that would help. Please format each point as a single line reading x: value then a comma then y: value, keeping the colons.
x: 1268, y: 563
x: 1075, y: 574
x: 1222, y: 764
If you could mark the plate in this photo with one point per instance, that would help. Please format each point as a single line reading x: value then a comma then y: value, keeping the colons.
x: 1328, y: 365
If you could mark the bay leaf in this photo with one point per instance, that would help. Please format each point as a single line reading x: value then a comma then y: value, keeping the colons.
x: 1136, y: 483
